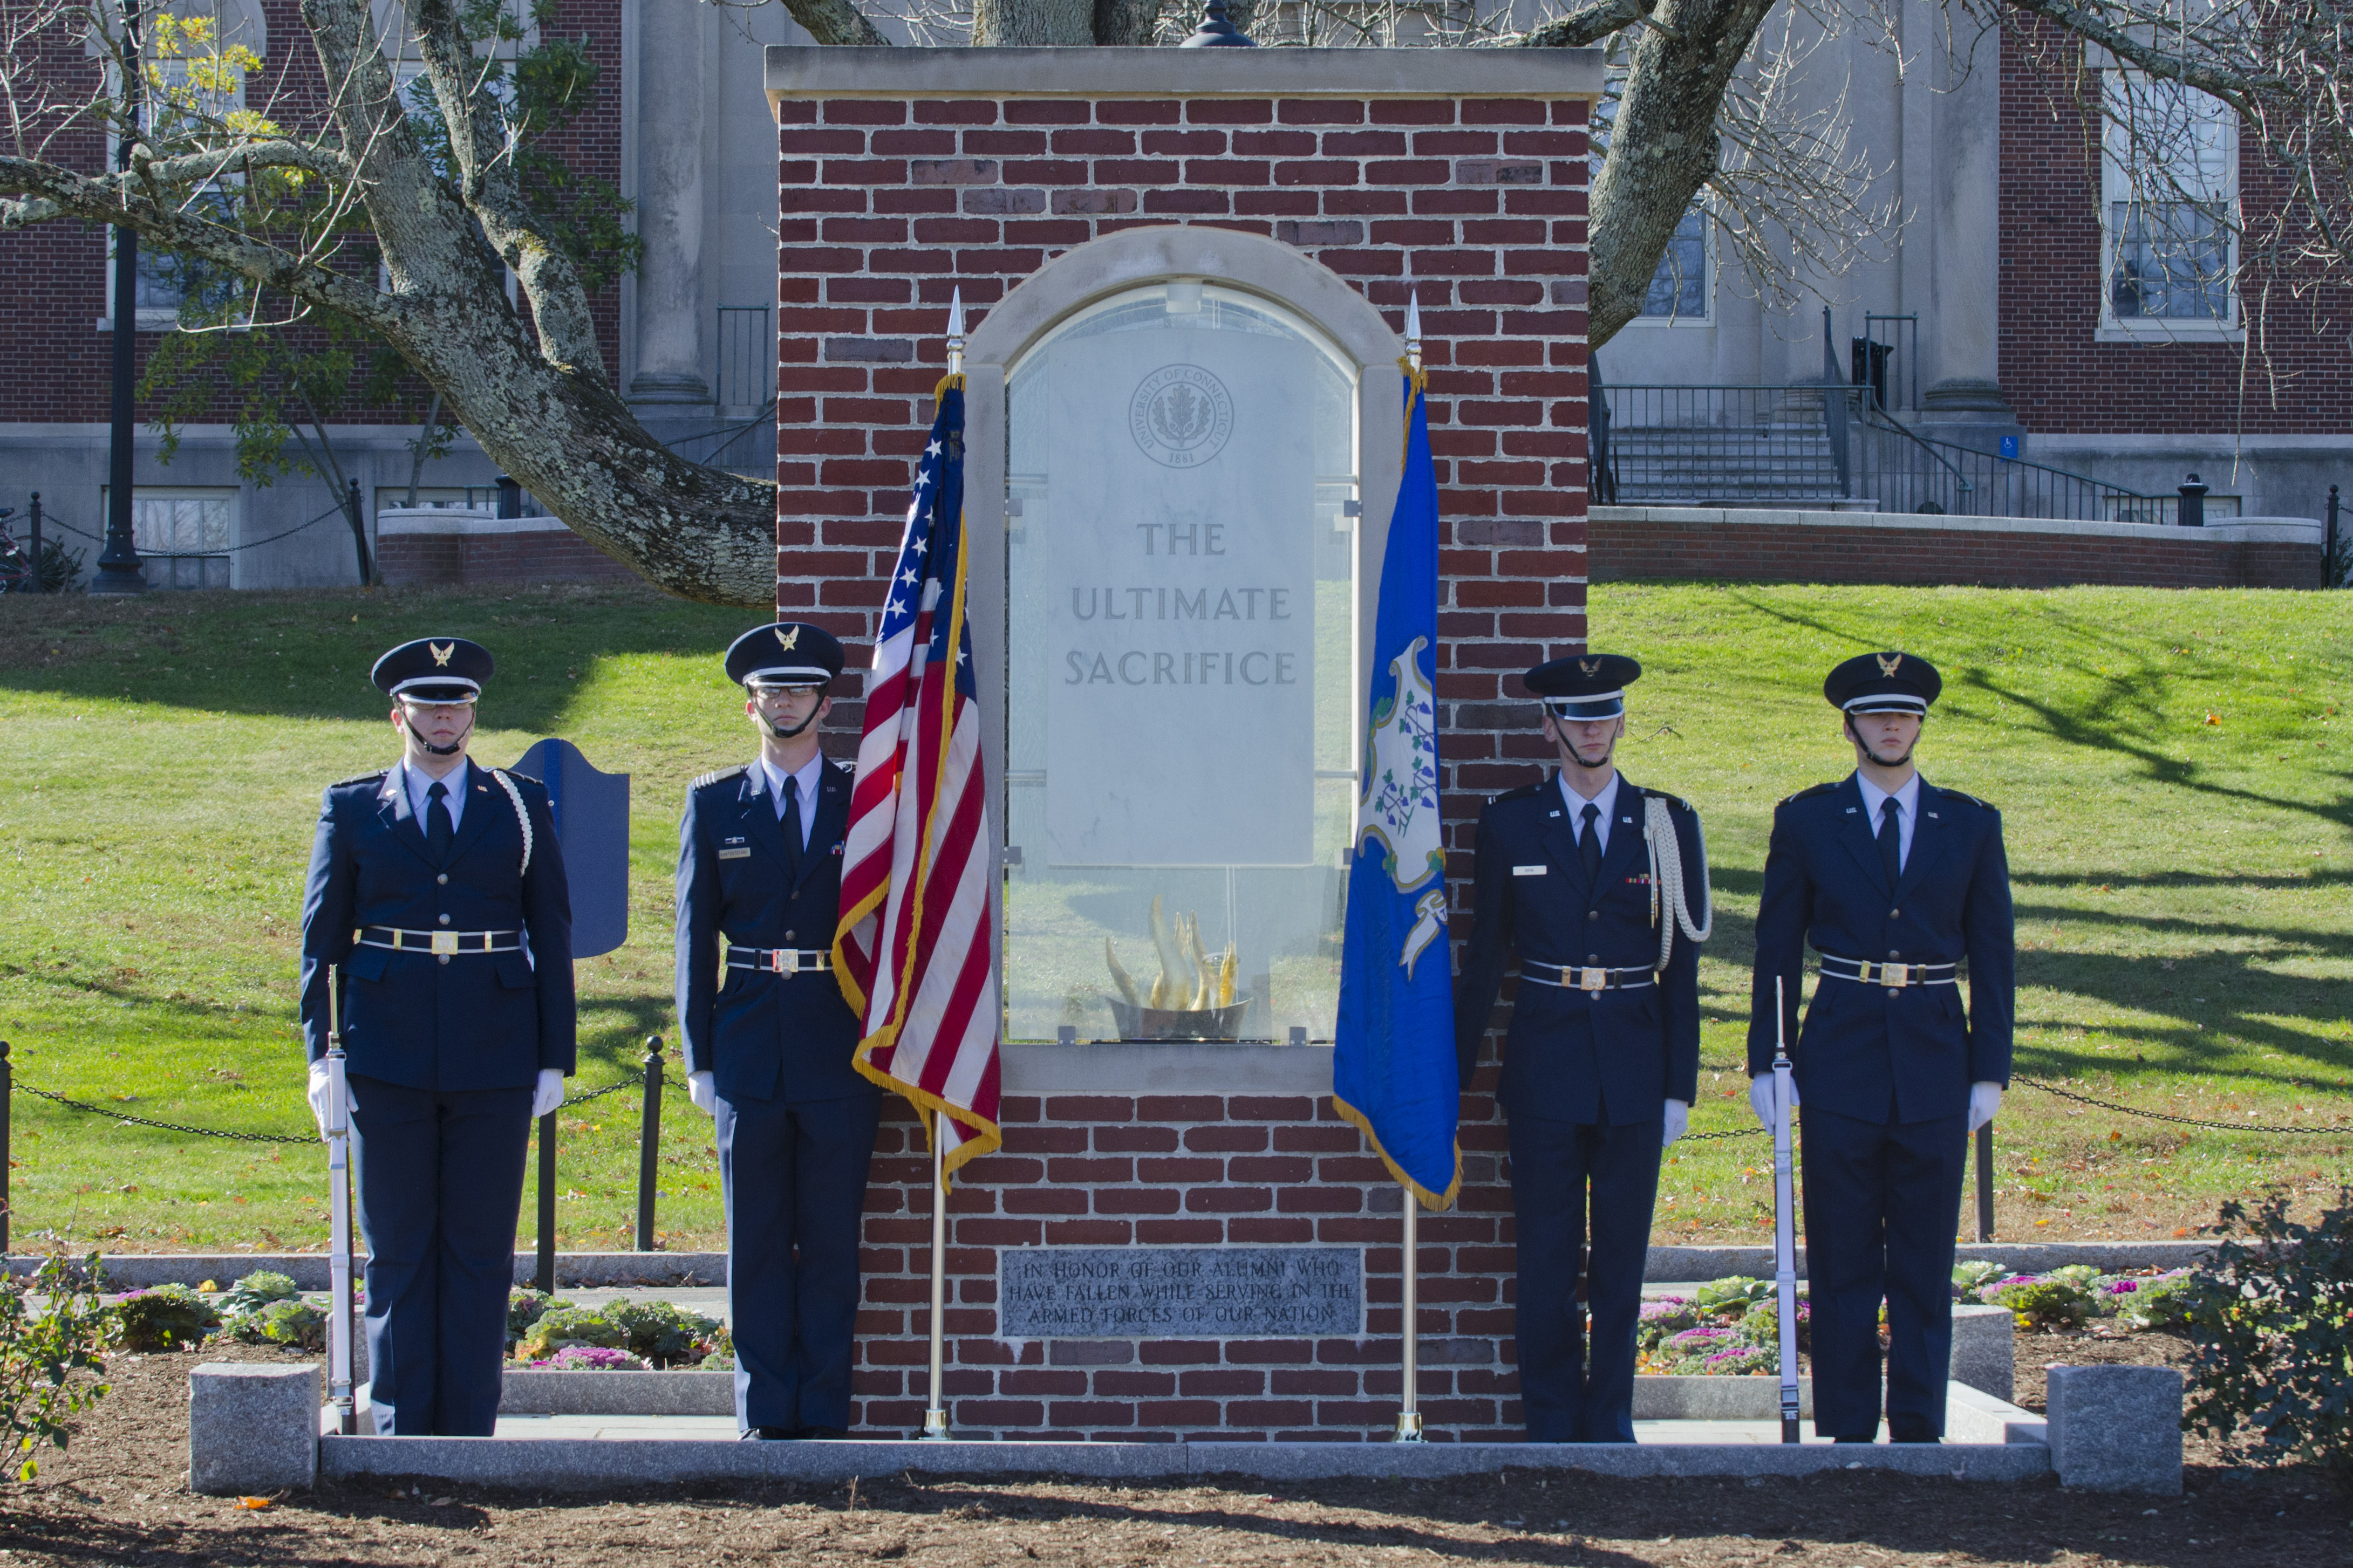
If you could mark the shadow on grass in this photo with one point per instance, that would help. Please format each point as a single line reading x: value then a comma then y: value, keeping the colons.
x: 307, y: 654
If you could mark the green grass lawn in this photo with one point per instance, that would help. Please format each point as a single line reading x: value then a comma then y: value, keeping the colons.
x: 2185, y: 927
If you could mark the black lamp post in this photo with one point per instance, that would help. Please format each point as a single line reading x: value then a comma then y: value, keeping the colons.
x: 117, y: 563
x: 1217, y: 33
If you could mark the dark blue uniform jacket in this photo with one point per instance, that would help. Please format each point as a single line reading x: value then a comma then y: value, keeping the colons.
x: 1574, y: 1056
x: 763, y: 1035
x: 480, y: 1021
x: 1878, y: 1055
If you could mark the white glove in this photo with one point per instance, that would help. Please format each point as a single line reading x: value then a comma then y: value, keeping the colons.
x: 317, y: 1095
x: 549, y: 1094
x: 1760, y: 1098
x: 1678, y: 1121
x: 700, y: 1089
x: 1985, y: 1104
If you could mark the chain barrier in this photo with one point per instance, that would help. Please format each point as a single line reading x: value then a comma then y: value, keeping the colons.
x: 634, y: 1081
x: 338, y: 509
x: 2340, y: 1131
x: 160, y: 1126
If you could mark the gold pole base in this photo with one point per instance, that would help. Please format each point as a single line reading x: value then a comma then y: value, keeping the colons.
x: 935, y: 1428
x: 1408, y: 1426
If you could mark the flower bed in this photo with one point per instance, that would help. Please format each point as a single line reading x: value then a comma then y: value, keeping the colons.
x: 1728, y: 1328
x: 2071, y: 1297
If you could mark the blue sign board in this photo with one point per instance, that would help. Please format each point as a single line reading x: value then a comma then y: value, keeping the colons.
x: 2009, y: 445
x: 592, y: 819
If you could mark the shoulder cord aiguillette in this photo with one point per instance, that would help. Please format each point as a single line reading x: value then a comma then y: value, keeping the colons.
x: 1667, y: 878
x: 523, y: 818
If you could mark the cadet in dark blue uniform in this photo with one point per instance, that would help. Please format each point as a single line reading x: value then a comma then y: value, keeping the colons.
x: 1602, y: 887
x: 438, y: 887
x: 769, y: 1040
x: 1894, y: 882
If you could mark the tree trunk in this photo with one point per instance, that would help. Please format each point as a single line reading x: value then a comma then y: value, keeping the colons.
x: 1662, y: 147
x: 1032, y: 24
x: 1127, y: 22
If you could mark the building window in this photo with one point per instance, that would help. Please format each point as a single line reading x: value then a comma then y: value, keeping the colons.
x: 184, y: 536
x: 2169, y: 188
x: 1182, y: 564
x: 1679, y: 289
x: 186, y: 97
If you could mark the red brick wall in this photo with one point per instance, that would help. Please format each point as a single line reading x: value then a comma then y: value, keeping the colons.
x: 2058, y: 377
x: 885, y: 208
x: 53, y: 278
x: 1761, y: 552
x: 444, y: 560
x: 1184, y: 1171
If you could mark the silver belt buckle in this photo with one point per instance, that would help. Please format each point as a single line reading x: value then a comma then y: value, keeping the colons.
x: 1593, y: 980
x: 444, y: 941
x: 1896, y: 976
x: 780, y: 960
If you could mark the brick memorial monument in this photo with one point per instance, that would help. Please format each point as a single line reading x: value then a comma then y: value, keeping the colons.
x: 1187, y: 272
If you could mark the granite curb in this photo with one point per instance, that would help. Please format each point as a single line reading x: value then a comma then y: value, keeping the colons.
x: 586, y: 1464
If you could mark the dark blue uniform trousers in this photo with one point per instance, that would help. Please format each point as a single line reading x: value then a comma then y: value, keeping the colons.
x: 1882, y: 1201
x: 440, y: 1185
x: 1576, y: 1388
x: 795, y: 1180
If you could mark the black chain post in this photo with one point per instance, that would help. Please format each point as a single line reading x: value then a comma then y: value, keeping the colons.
x: 40, y: 583
x: 1985, y: 1183
x: 544, y: 1278
x: 7, y: 1083
x: 650, y: 1143
x: 2328, y: 540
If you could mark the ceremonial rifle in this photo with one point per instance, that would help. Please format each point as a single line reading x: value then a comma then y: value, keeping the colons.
x: 1785, y: 1222
x: 339, y: 1210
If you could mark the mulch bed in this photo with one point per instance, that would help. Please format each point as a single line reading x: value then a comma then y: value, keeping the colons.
x: 119, y: 1496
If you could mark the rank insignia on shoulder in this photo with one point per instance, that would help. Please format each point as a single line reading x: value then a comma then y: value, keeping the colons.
x: 1808, y: 792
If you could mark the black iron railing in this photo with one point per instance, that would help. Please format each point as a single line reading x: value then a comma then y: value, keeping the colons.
x: 1829, y: 446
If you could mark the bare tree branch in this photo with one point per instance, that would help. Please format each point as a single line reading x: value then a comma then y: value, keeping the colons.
x: 1595, y: 22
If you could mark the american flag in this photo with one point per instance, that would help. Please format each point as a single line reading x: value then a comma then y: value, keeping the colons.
x: 912, y: 952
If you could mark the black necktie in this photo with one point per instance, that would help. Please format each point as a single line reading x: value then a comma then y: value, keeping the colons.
x: 1589, y: 843
x: 436, y: 823
x: 793, y: 821
x: 1890, y: 840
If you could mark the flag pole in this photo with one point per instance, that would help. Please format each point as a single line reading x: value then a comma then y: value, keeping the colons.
x: 935, y: 1416
x: 1408, y: 1420
x: 340, y: 1356
x: 936, y: 1413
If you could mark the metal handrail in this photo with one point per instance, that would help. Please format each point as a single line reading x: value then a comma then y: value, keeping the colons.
x: 1875, y: 414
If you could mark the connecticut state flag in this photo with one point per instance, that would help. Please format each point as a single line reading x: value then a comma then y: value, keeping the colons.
x: 1393, y: 1068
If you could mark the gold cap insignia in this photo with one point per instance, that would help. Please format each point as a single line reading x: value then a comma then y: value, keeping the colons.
x: 1888, y: 662
x: 784, y: 639
x: 1589, y: 666
x: 441, y: 652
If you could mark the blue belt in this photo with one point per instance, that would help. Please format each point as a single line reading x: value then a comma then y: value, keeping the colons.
x: 781, y: 959
x: 441, y: 943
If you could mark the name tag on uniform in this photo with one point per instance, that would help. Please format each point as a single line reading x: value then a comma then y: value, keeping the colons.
x: 734, y: 849
x: 1530, y: 870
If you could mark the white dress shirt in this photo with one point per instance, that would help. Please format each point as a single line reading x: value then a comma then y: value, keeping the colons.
x: 1907, y: 813
x: 419, y: 785
x: 1607, y: 800
x: 804, y: 782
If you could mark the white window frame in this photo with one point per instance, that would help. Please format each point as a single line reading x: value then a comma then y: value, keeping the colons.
x: 233, y: 494
x: 2213, y: 179
x: 1705, y: 316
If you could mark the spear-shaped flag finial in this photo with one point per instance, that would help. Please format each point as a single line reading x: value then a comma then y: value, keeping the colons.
x: 1412, y: 327
x: 956, y: 331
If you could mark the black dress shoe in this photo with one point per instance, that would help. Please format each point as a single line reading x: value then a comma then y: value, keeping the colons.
x: 823, y: 1434
x: 769, y: 1433
x: 1849, y: 1439
x: 1910, y: 1434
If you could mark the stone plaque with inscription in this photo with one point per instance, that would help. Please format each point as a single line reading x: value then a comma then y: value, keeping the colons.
x: 1179, y: 600
x: 1179, y: 1292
